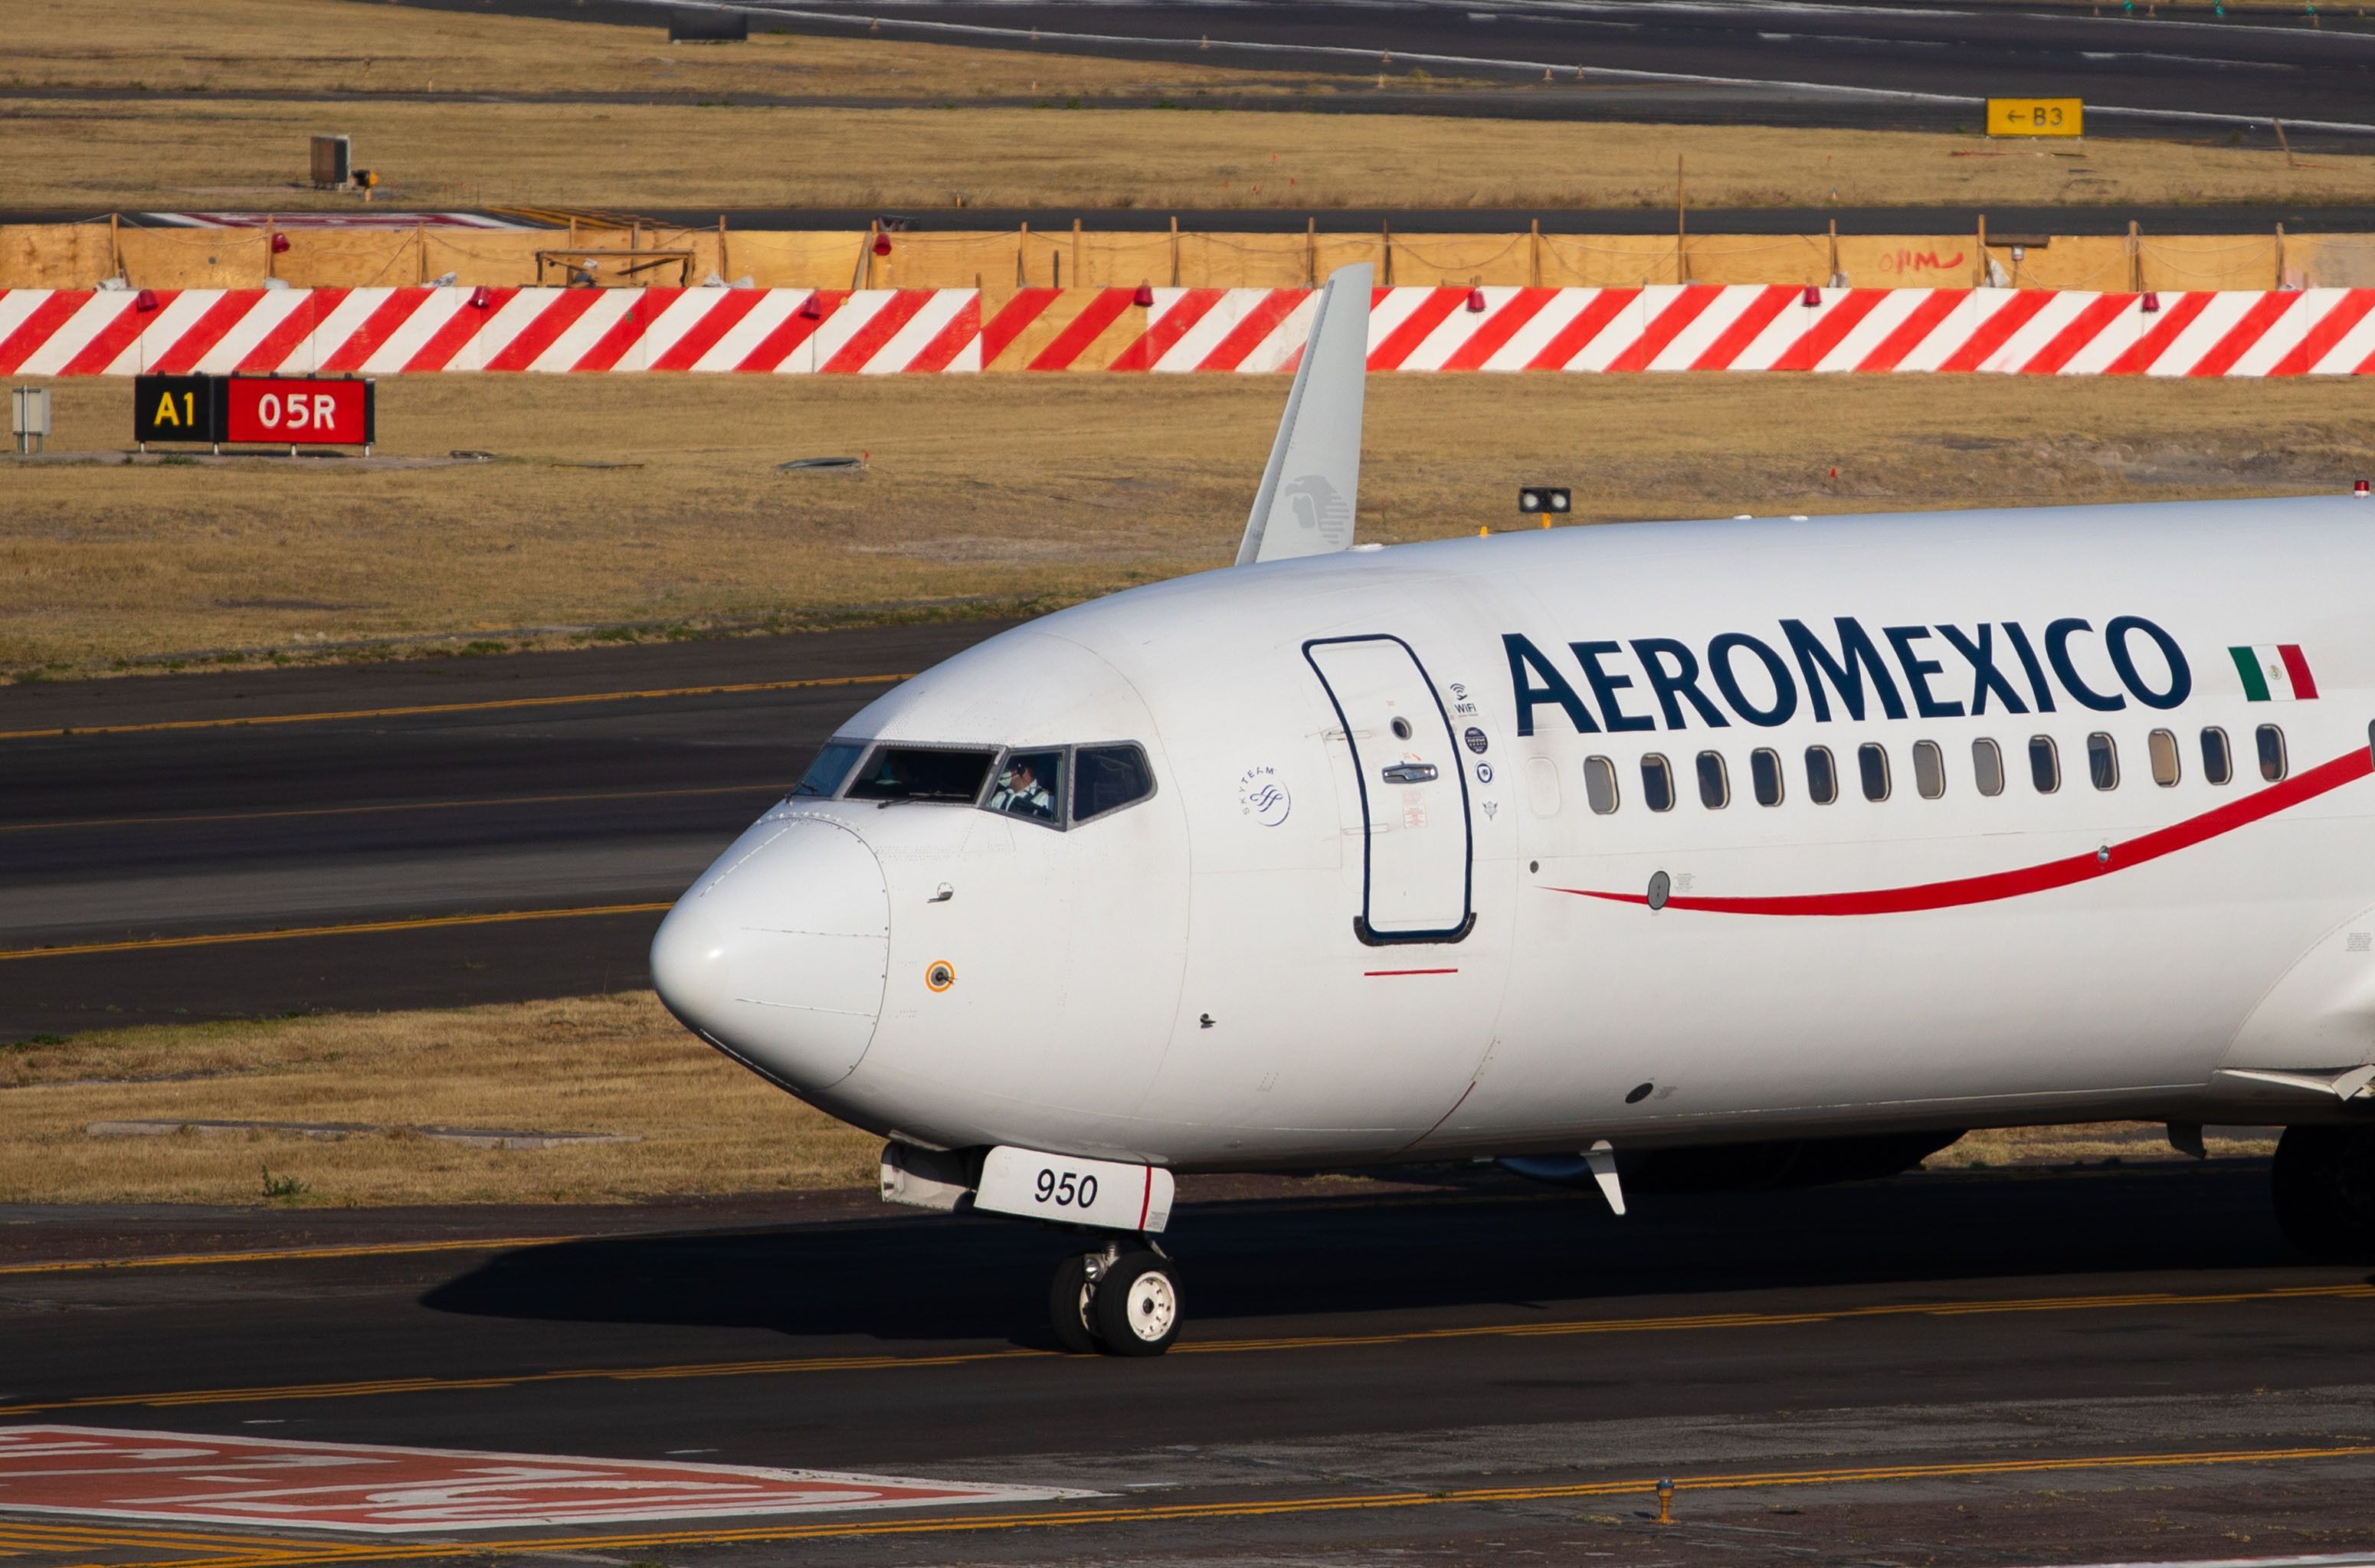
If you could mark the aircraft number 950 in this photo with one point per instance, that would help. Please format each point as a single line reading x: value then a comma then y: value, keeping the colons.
x: 1067, y: 1189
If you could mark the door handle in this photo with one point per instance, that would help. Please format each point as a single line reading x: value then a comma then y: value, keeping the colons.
x: 1410, y: 773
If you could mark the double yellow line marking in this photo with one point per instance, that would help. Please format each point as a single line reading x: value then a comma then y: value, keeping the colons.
x: 416, y: 710
x: 290, y: 1554
x: 809, y: 1365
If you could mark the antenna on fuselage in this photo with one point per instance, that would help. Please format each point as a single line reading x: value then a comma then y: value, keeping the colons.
x: 1312, y: 485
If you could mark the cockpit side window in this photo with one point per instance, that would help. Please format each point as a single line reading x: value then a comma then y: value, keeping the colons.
x: 1030, y: 785
x: 1107, y: 778
x: 830, y: 769
x: 923, y: 772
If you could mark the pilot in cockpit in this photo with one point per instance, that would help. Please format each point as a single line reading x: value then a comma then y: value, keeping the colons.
x: 1020, y: 791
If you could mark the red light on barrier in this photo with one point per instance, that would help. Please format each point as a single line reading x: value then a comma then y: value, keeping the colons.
x: 1476, y: 301
x: 1145, y: 295
x: 481, y: 298
x: 2359, y: 489
x: 280, y: 244
x: 811, y: 309
x: 2149, y: 304
x: 881, y: 244
x: 145, y: 301
x: 1811, y: 299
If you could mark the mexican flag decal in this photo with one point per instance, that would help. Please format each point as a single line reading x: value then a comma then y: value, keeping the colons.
x: 2275, y: 673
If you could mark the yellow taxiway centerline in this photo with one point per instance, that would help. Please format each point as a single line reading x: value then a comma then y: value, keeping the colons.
x: 488, y: 705
x: 791, y: 1366
x: 476, y: 803
x: 1251, y: 1508
x: 426, y: 923
x: 280, y: 1254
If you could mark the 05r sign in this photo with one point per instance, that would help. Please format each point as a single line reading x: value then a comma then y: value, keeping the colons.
x: 293, y: 411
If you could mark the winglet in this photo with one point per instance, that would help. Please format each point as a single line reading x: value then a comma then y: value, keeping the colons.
x: 1311, y: 488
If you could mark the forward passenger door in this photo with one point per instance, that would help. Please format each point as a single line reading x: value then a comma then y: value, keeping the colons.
x: 1416, y: 841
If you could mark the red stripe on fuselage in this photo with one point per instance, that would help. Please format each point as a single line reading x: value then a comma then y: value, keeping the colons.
x: 1994, y: 885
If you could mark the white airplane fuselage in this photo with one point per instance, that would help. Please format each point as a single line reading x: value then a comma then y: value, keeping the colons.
x: 1319, y: 942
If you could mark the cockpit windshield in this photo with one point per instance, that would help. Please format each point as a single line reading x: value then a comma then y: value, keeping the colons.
x: 923, y: 772
x: 824, y: 776
x: 1056, y: 787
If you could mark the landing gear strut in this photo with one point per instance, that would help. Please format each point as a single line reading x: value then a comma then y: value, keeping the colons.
x: 1124, y: 1302
x: 2325, y: 1186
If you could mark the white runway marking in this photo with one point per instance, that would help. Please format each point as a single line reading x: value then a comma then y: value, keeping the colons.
x: 289, y: 1484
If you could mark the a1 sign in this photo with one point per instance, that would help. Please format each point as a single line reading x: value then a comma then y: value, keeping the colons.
x: 176, y: 408
x: 297, y: 412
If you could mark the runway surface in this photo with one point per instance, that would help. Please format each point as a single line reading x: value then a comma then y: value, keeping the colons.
x: 2116, y: 1365
x: 1727, y: 61
x: 188, y: 823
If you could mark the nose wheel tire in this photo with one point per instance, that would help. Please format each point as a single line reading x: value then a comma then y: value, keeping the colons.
x: 2324, y: 1187
x: 1136, y: 1305
x: 1068, y: 1306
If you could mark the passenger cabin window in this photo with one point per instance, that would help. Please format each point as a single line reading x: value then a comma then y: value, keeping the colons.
x: 2044, y: 764
x: 1107, y: 778
x: 1872, y: 761
x: 1031, y: 785
x: 1600, y: 784
x: 923, y: 772
x: 1765, y: 774
x: 1822, y: 775
x: 2161, y: 747
x: 2102, y: 761
x: 2271, y: 753
x: 2217, y: 756
x: 1715, y: 784
x: 1656, y: 783
x: 830, y: 769
x: 1987, y: 766
x: 1929, y: 770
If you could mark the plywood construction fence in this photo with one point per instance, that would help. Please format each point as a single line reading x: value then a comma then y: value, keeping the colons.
x: 1413, y: 328
x: 84, y: 255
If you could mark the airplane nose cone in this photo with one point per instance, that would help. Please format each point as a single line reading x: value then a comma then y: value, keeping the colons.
x: 778, y: 952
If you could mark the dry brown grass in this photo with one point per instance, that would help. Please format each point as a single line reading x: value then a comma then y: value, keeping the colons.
x: 987, y: 494
x: 615, y: 1063
x: 602, y: 1064
x: 225, y: 151
x: 2116, y: 1143
x: 230, y: 47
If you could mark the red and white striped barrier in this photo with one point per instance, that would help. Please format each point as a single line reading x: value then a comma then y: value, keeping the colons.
x: 906, y: 331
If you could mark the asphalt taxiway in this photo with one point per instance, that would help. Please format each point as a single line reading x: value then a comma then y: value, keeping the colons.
x: 425, y: 833
x: 2113, y: 1365
x: 1776, y: 62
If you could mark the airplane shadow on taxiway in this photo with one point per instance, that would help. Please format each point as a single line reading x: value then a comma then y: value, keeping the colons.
x: 1296, y: 1263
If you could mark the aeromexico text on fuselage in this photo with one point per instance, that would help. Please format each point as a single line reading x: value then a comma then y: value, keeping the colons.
x: 1847, y: 671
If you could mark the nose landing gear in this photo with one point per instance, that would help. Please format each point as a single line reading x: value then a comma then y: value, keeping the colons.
x: 2324, y: 1188
x: 1124, y: 1303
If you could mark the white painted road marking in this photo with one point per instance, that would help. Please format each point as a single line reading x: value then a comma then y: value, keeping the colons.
x: 192, y: 1478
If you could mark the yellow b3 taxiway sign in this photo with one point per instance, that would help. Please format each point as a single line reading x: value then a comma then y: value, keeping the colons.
x: 2035, y: 117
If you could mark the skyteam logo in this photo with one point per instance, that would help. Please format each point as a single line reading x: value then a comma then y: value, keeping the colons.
x: 1844, y: 671
x: 1263, y: 795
